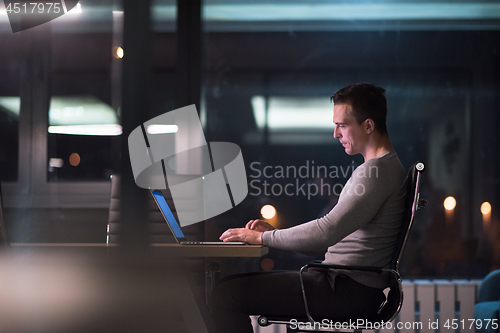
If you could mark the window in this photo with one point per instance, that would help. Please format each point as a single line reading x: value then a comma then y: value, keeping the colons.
x: 439, y: 67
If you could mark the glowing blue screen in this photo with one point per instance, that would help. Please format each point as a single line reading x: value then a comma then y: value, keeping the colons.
x: 176, y: 229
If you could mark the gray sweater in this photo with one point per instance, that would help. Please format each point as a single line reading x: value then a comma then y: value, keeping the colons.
x: 362, y: 228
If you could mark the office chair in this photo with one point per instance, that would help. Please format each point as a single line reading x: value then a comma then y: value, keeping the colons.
x: 159, y: 233
x: 487, y: 308
x: 158, y: 229
x: 390, y: 309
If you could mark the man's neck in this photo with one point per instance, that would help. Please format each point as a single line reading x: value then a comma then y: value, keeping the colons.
x: 378, y: 146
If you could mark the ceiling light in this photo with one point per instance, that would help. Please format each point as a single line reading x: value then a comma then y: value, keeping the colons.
x: 351, y: 11
x: 104, y: 130
x: 162, y: 129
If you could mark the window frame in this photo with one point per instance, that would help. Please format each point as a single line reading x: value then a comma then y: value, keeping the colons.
x: 32, y: 189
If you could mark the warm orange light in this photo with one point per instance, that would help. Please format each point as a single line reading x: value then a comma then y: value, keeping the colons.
x: 267, y: 264
x: 450, y: 203
x: 118, y: 52
x: 485, y: 208
x: 268, y: 212
x: 74, y: 159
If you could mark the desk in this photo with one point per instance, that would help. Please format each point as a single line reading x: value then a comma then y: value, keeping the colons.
x: 80, y: 288
x: 176, y: 250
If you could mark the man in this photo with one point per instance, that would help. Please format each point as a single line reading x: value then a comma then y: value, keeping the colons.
x: 360, y: 230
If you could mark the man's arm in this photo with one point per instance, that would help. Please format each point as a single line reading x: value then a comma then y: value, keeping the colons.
x: 360, y: 201
x: 353, y: 211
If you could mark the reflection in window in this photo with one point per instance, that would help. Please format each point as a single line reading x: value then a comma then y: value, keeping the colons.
x: 9, y: 138
x: 286, y: 122
x: 267, y: 63
x: 82, y: 145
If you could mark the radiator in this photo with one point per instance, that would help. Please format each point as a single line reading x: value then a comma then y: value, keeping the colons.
x: 429, y: 306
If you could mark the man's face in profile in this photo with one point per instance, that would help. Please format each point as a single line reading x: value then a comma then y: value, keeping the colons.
x: 350, y: 134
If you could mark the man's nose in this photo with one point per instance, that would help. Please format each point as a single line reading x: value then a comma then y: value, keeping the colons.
x: 336, y: 133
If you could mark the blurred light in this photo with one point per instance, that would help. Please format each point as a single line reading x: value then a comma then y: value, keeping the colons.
x: 48, y: 292
x: 56, y: 162
x: 450, y: 203
x: 162, y: 129
x: 76, y: 10
x: 11, y: 104
x: 268, y: 212
x: 119, y: 52
x: 293, y: 112
x: 105, y: 130
x: 67, y: 112
x: 71, y: 111
x: 74, y: 159
x: 80, y: 110
x: 259, y: 110
x: 267, y: 264
x: 485, y: 208
x: 350, y: 11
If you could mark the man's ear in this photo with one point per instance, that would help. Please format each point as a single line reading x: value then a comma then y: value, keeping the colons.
x: 369, y: 125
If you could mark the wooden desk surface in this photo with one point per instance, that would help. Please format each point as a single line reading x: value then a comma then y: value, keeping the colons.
x: 176, y: 250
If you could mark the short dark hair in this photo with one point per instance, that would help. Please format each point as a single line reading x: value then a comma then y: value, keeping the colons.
x: 367, y: 101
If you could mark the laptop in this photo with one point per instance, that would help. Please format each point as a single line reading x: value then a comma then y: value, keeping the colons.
x: 175, y: 227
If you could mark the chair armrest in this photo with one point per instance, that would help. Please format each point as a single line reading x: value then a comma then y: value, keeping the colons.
x: 317, y: 264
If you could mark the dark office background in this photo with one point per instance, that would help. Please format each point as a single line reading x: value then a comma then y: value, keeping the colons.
x: 442, y: 79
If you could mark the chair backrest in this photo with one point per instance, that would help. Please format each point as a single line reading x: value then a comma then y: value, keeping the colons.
x: 158, y: 229
x: 413, y: 202
x: 490, y: 288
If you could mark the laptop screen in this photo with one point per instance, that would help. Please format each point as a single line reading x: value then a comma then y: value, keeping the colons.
x: 176, y: 229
